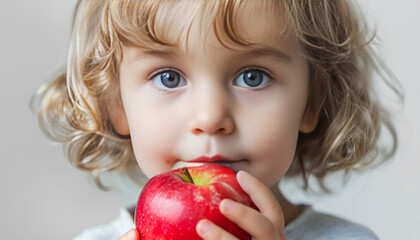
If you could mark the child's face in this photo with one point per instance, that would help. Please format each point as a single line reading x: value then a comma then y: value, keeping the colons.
x: 244, y: 106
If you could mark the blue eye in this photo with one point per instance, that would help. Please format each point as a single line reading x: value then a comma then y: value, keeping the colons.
x: 252, y: 78
x: 168, y: 79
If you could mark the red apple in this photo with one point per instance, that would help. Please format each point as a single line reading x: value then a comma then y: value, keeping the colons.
x: 171, y: 204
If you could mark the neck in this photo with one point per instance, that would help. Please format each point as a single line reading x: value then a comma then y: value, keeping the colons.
x: 290, y: 210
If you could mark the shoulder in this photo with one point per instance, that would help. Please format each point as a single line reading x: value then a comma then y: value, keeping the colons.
x: 313, y: 225
x: 112, y: 230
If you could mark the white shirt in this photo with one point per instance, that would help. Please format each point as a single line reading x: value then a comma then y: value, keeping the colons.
x: 310, y: 225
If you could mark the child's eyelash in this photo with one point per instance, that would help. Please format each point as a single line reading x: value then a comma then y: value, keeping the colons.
x: 255, y: 68
x: 162, y: 70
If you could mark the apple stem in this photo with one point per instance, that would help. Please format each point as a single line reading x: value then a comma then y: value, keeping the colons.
x: 187, y: 173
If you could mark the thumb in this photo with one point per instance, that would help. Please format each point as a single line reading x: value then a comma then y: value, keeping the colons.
x: 133, y: 234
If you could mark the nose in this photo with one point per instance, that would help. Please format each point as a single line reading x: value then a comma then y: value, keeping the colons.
x: 211, y: 114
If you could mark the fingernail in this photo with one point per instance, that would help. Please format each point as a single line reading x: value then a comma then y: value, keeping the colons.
x: 241, y: 174
x: 204, y: 227
x: 227, y: 206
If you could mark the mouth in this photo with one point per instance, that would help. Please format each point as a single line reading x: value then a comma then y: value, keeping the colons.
x: 235, y: 165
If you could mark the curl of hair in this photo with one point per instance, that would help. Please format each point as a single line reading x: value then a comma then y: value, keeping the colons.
x: 73, y: 107
x: 342, y: 65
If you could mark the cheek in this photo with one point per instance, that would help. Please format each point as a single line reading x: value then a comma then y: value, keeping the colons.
x: 153, y: 138
x: 274, y: 152
x: 272, y: 142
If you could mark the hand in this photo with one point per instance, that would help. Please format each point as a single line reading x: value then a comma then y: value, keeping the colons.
x: 133, y: 234
x: 268, y: 224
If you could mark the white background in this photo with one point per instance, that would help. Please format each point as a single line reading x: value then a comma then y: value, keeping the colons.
x: 43, y: 197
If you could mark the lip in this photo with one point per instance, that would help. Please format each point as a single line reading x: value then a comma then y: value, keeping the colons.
x: 214, y: 158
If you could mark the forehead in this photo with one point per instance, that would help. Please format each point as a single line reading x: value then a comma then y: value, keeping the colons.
x: 233, y: 23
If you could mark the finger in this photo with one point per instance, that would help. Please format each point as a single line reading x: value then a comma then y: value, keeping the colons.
x: 133, y: 234
x: 209, y: 231
x: 249, y: 219
x: 263, y: 198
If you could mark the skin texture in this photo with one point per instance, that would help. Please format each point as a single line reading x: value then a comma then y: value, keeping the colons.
x: 212, y: 111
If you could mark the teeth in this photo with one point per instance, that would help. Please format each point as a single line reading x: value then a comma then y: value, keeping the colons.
x: 229, y: 164
x: 181, y: 164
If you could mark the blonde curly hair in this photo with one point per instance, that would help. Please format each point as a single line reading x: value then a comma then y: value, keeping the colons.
x: 73, y: 107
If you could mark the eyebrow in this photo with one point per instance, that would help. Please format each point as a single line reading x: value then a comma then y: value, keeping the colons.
x: 159, y: 53
x: 263, y: 51
x: 260, y: 51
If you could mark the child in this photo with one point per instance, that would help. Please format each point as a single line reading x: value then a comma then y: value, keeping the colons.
x: 269, y: 88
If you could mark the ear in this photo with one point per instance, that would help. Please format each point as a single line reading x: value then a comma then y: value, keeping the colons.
x: 309, y: 121
x: 118, y: 117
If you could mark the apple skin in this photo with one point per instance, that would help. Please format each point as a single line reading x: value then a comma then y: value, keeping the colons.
x: 169, y: 207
